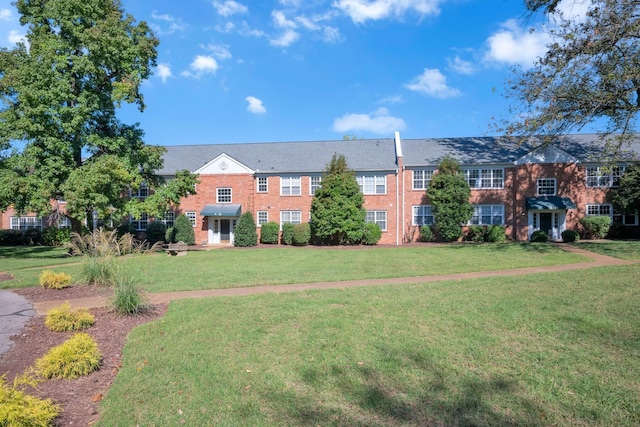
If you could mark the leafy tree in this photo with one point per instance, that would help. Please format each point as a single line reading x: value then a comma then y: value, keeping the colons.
x: 59, y: 93
x: 245, y: 233
x: 626, y: 198
x: 449, y: 195
x: 337, y: 213
x: 183, y: 231
x: 589, y: 73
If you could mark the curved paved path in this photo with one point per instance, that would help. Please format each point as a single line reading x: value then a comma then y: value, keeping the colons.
x: 595, y: 260
x: 15, y: 310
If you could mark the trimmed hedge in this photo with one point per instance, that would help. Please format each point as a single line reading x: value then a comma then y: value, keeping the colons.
x: 183, y: 231
x: 371, y: 233
x: 426, y: 233
x: 301, y: 234
x: 245, y: 233
x: 269, y: 233
x: 539, y: 236
x: 54, y: 236
x: 495, y: 234
x: 287, y: 233
x: 156, y: 232
x: 595, y: 227
x: 569, y: 236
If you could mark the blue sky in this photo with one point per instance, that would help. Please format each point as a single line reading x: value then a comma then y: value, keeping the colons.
x: 295, y: 70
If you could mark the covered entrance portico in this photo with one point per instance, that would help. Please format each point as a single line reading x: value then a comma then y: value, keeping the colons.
x: 548, y: 214
x: 221, y: 220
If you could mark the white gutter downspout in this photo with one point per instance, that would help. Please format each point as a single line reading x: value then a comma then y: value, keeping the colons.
x: 399, y: 175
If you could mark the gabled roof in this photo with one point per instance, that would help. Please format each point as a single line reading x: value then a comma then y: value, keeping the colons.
x: 286, y: 157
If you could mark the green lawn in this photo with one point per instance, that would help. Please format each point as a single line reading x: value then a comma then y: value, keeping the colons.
x: 233, y: 267
x: 538, y: 350
x: 624, y: 249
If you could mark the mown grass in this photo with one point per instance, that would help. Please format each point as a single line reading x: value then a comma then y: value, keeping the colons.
x: 232, y: 267
x: 535, y: 350
x: 623, y: 249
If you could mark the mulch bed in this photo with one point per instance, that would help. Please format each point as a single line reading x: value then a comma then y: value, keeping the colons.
x: 79, y: 398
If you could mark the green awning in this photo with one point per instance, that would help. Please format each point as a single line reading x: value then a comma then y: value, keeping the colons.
x: 222, y: 210
x: 550, y: 203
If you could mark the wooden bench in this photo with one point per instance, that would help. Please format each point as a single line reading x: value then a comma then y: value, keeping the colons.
x: 176, y: 249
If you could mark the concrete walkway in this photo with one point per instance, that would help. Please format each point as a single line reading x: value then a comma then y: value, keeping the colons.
x: 15, y: 310
x: 596, y: 260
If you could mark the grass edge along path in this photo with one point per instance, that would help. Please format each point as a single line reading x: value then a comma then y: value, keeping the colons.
x: 542, y: 349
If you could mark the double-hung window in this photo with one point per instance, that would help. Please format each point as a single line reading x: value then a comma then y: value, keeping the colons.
x: 191, y: 215
x: 487, y: 215
x: 484, y: 178
x: 314, y: 184
x: 142, y: 192
x: 140, y: 224
x: 168, y: 219
x: 422, y: 215
x: 263, y: 216
x: 294, y: 217
x: 421, y: 179
x: 600, y: 176
x: 604, y: 209
x: 378, y: 217
x: 223, y: 195
x: 546, y: 187
x: 24, y: 222
x: 263, y: 184
x: 290, y: 186
x: 372, y: 184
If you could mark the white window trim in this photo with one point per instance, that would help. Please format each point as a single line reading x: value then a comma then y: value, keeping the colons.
x: 290, y: 213
x: 24, y: 222
x: 376, y: 220
x: 603, y: 177
x: 378, y: 180
x: 266, y: 184
x: 137, y: 223
x: 599, y: 207
x: 291, y: 182
x: 314, y: 187
x: 220, y: 196
x: 478, y: 181
x: 477, y: 212
x: 424, y: 181
x: 191, y: 215
x: 266, y: 214
x: 546, y: 181
x: 415, y: 213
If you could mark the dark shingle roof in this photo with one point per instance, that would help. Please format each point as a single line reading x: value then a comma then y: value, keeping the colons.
x: 286, y: 157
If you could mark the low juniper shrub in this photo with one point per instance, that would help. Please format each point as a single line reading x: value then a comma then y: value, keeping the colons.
x: 63, y: 318
x: 78, y: 356
x: 53, y: 280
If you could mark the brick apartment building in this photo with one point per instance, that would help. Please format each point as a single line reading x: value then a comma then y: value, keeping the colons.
x: 522, y: 188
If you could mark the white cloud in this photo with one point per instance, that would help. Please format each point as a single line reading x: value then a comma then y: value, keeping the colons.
x: 229, y: 8
x: 575, y: 10
x: 247, y: 31
x: 378, y: 122
x: 286, y: 39
x: 281, y: 21
x: 460, y: 66
x: 175, y: 24
x: 227, y: 28
x: 255, y: 105
x: 202, y: 64
x: 164, y: 72
x: 432, y: 83
x: 220, y: 51
x: 6, y: 14
x: 515, y: 46
x: 362, y: 10
x: 15, y: 37
x: 331, y: 35
x: 393, y: 99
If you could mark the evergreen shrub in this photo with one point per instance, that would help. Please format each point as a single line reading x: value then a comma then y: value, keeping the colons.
x: 569, y: 236
x: 287, y: 233
x: 595, y: 227
x: 426, y: 233
x: 371, y: 233
x: 539, y: 236
x: 301, y: 235
x: 156, y: 232
x: 63, y: 318
x: 10, y: 237
x: 169, y: 235
x: 475, y: 233
x: 269, y: 232
x: 31, y: 236
x: 77, y: 356
x: 53, y: 280
x: 183, y: 231
x: 54, y: 236
x: 495, y: 234
x: 245, y: 233
x: 20, y: 409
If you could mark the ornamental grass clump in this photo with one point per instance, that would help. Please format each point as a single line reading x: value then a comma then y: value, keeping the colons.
x: 77, y: 356
x: 18, y: 409
x: 52, y: 280
x: 63, y: 318
x: 127, y: 299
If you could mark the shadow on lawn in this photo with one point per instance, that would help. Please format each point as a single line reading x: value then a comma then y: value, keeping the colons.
x: 40, y: 252
x: 363, y: 396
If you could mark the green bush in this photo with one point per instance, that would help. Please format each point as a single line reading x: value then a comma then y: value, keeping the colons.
x: 156, y: 232
x: 122, y: 229
x: 426, y: 233
x: 183, y: 231
x: 62, y: 318
x: 245, y: 233
x: 127, y: 299
x: 52, y: 280
x: 19, y: 409
x: 31, y: 236
x: 495, y: 234
x: 595, y: 227
x: 169, y: 235
x: 371, y: 233
x: 77, y: 356
x: 287, y: 233
x: 99, y: 271
x: 301, y: 235
x: 475, y: 233
x: 569, y: 236
x: 53, y: 236
x: 10, y: 237
x: 269, y: 232
x: 539, y: 236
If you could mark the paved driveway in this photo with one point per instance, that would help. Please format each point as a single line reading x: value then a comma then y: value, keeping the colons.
x: 15, y: 310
